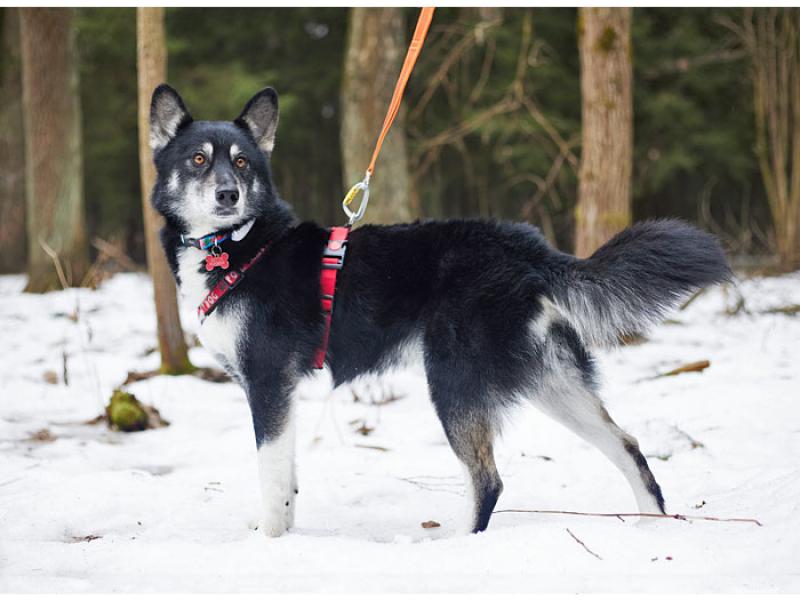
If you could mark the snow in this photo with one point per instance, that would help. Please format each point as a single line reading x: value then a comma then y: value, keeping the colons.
x: 174, y: 508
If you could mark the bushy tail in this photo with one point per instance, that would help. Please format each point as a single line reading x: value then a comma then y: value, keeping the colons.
x: 632, y: 281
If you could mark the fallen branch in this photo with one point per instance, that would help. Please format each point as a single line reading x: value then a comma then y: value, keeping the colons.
x: 585, y: 547
x: 620, y: 516
x: 368, y: 447
x: 117, y: 254
x: 692, y: 367
x: 790, y: 310
x: 56, y: 261
x: 205, y: 373
x: 692, y: 298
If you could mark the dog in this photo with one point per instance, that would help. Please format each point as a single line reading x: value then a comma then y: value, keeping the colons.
x: 494, y: 313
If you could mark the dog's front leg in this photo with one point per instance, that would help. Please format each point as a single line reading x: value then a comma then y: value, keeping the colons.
x: 273, y: 419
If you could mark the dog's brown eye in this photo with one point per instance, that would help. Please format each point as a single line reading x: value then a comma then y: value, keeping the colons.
x: 241, y: 162
x: 199, y: 159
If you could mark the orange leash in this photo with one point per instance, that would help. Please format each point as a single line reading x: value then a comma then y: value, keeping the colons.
x: 414, y: 49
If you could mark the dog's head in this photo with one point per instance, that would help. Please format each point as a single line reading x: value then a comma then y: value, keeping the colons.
x: 213, y: 175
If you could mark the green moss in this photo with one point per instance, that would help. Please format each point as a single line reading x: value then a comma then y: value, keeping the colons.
x: 186, y: 368
x: 125, y: 412
x: 607, y: 39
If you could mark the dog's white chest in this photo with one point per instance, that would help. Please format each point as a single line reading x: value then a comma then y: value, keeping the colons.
x: 219, y: 333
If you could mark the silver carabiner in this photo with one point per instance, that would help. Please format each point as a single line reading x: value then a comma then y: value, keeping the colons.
x: 363, y: 187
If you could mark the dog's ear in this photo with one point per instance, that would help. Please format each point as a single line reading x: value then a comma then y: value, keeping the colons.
x: 260, y: 117
x: 167, y: 115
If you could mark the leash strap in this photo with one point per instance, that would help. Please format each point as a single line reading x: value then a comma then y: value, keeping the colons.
x: 414, y: 49
x: 229, y: 281
x: 421, y: 31
x: 332, y: 261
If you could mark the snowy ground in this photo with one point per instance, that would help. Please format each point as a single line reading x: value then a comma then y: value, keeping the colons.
x: 173, y: 508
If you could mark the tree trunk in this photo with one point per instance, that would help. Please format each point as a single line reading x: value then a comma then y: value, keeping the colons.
x: 376, y: 46
x: 53, y: 160
x: 152, y: 70
x: 604, y: 179
x: 12, y: 149
x: 772, y: 38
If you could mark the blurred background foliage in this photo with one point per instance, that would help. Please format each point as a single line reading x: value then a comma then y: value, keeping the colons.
x: 480, y: 136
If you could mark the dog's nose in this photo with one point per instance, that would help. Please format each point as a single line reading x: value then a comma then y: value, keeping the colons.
x: 227, y: 197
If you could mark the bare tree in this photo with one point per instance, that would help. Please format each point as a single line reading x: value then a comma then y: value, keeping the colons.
x: 53, y: 150
x: 772, y: 39
x: 12, y: 153
x: 376, y: 44
x: 152, y: 70
x: 604, y: 180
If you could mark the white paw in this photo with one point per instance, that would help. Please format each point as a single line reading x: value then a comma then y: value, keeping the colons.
x: 278, y: 519
x: 273, y: 529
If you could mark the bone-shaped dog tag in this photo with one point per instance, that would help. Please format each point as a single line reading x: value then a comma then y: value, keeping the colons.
x: 221, y: 261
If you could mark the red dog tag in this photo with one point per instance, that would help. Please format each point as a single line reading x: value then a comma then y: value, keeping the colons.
x: 212, y: 262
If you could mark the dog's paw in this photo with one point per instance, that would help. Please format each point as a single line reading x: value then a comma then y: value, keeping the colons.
x: 272, y: 529
x: 278, y: 518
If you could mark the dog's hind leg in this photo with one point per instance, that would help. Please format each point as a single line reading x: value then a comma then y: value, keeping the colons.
x: 471, y: 441
x: 470, y: 433
x: 579, y: 409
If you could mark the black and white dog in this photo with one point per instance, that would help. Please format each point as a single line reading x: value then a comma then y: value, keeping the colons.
x: 496, y: 316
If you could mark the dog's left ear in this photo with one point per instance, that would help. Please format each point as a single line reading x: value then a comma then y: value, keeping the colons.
x: 260, y: 117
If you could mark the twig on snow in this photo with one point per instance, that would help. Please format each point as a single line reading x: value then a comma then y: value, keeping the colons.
x: 675, y: 517
x: 369, y: 447
x: 585, y: 547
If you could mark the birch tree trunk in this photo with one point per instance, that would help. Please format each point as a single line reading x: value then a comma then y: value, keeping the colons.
x: 152, y: 70
x: 12, y: 149
x: 376, y: 46
x: 53, y: 152
x: 604, y: 179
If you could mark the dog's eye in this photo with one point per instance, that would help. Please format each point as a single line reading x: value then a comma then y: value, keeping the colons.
x: 240, y: 162
x: 199, y: 159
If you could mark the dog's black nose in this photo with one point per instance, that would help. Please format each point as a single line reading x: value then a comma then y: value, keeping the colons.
x: 227, y: 197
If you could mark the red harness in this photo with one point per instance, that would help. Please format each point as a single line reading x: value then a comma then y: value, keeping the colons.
x: 332, y: 261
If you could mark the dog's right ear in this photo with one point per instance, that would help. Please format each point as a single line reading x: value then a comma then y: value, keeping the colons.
x: 167, y: 114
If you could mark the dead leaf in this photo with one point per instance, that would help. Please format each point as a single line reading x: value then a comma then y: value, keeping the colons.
x: 430, y: 524
x: 362, y: 428
x: 212, y: 375
x: 43, y: 435
x: 50, y: 377
x: 692, y: 367
x: 85, y: 538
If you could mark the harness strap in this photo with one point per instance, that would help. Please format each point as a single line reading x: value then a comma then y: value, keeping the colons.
x: 229, y: 281
x: 332, y: 261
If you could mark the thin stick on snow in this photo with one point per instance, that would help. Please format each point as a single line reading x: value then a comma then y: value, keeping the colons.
x: 585, y: 547
x: 675, y: 517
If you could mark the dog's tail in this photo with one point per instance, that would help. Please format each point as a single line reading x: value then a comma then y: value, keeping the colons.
x: 632, y: 281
